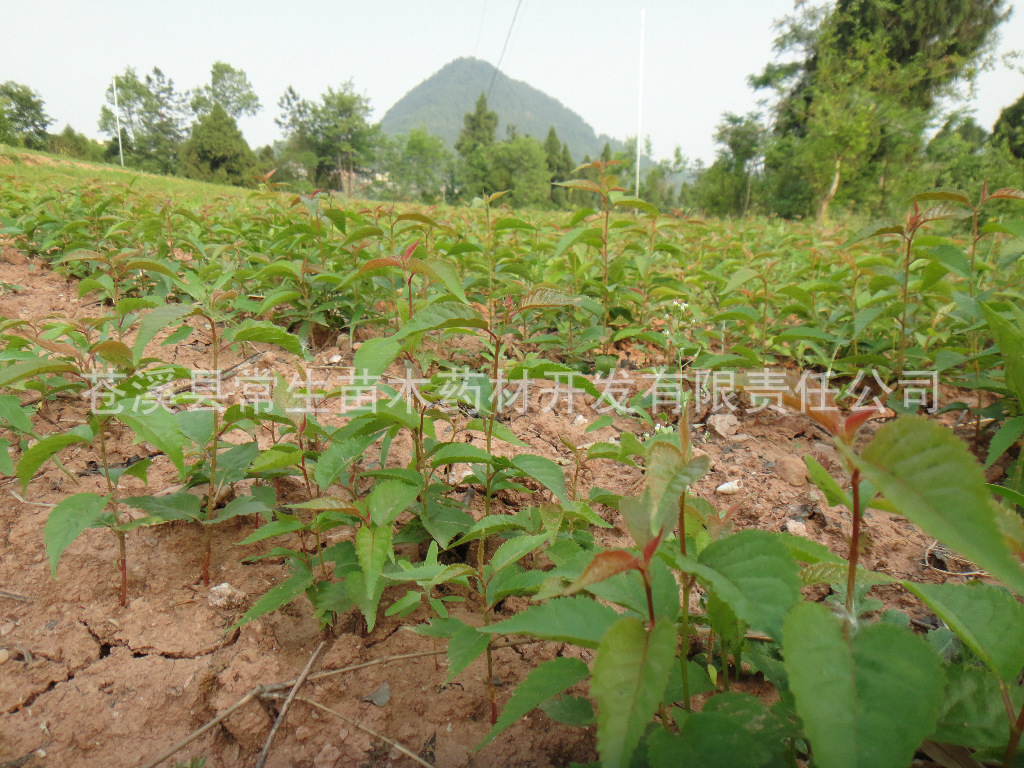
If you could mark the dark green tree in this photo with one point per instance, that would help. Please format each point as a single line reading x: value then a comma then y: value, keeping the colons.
x: 1009, y: 128
x: 413, y: 166
x: 520, y: 166
x: 560, y: 167
x: 217, y: 152
x: 70, y: 143
x: 154, y: 116
x: 23, y: 120
x: 478, y: 129
x: 331, y: 137
x: 228, y: 87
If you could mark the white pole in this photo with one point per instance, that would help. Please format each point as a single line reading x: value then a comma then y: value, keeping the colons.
x: 640, y: 99
x: 117, y: 120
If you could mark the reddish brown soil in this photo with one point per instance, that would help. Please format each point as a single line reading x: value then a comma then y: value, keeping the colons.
x: 85, y: 682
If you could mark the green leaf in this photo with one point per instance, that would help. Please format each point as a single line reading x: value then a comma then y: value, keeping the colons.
x: 267, y: 333
x: 373, y: 548
x: 283, y: 593
x: 631, y: 671
x: 176, y: 506
x: 6, y: 462
x: 972, y: 711
x: 986, y: 617
x: 456, y: 453
x: 68, y: 519
x: 1010, y: 431
x: 283, y: 525
x: 261, y: 500
x: 365, y: 599
x: 738, y: 278
x: 1010, y: 339
x: 445, y: 273
x: 464, y: 646
x: 874, y: 229
x: 546, y: 680
x: 276, y: 457
x: 931, y: 478
x: 441, y: 316
x: 35, y: 456
x: 374, y: 356
x: 834, y: 494
x: 544, y: 471
x: 513, y: 550
x: 157, y: 426
x: 26, y: 369
x: 753, y: 573
x: 570, y: 710
x: 849, y: 694
x: 389, y: 499
x: 577, y: 620
x: 338, y: 457
x: 12, y: 413
x: 155, y: 321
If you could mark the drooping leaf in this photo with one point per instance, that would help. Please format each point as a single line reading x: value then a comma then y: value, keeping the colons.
x: 544, y: 681
x: 849, y: 694
x: 26, y: 369
x: 175, y: 506
x: 631, y: 671
x: 373, y: 547
x: 577, y: 620
x: 283, y: 593
x: 464, y: 646
x: 268, y: 333
x: 986, y: 617
x: 68, y: 519
x: 931, y: 478
x: 1010, y: 431
x: 544, y: 471
x: 36, y: 455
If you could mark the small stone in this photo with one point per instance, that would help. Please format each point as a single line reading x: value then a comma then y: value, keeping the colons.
x: 579, y: 421
x: 334, y: 359
x: 226, y: 596
x: 381, y: 696
x: 4, y: 655
x: 724, y: 424
x: 792, y: 470
x: 328, y: 757
x: 7, y: 627
x: 797, y: 528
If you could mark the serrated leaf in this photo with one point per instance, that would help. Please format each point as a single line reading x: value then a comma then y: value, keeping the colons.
x: 1010, y: 431
x: 459, y: 453
x: 26, y: 369
x: 114, y: 352
x: 932, y: 479
x: 267, y: 333
x: 35, y: 456
x: 12, y: 413
x: 631, y: 671
x: 986, y: 617
x: 373, y: 548
x: 155, y: 425
x: 68, y: 519
x: 513, y: 550
x: 374, y: 356
x: 583, y: 185
x: 283, y: 593
x: 603, y: 566
x: 544, y: 471
x: 544, y: 681
x: 849, y: 694
x: 388, y: 500
x: 834, y: 495
x: 577, y: 620
x: 176, y: 506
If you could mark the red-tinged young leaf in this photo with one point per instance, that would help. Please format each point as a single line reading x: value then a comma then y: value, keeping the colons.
x: 631, y: 672
x: 947, y: 195
x: 1006, y: 193
x: 584, y: 185
x: 374, y: 264
x: 545, y: 681
x: 409, y: 251
x: 856, y: 420
x: 115, y: 352
x: 604, y: 566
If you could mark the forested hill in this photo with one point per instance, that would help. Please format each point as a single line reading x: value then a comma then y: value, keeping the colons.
x: 441, y: 101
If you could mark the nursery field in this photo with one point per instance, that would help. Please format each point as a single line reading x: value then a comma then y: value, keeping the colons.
x: 303, y: 481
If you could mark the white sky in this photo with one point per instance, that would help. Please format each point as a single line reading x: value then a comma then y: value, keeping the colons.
x: 584, y: 53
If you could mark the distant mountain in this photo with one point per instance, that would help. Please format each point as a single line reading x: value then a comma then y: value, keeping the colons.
x: 441, y: 101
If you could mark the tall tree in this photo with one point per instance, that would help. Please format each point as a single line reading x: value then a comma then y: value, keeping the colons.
x: 478, y: 128
x: 859, y: 88
x: 153, y: 115
x: 22, y: 116
x: 216, y: 151
x: 228, y: 87
x: 332, y: 136
x: 1009, y: 128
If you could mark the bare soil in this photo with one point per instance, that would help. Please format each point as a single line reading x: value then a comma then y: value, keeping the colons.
x: 85, y: 682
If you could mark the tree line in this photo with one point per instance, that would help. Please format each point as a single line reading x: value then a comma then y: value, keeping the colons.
x: 856, y: 117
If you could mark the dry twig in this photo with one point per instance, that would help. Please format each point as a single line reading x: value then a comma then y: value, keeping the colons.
x: 288, y: 703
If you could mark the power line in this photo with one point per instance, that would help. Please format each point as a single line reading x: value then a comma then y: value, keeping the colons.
x: 503, y: 49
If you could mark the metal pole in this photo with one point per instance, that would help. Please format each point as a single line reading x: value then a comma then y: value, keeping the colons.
x: 640, y: 99
x: 117, y: 120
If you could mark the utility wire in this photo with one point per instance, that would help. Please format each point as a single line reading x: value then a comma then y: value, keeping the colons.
x: 503, y: 49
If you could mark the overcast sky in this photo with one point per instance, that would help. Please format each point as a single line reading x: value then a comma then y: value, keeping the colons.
x: 585, y: 53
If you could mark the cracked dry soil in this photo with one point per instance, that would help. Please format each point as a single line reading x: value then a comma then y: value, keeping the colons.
x: 85, y: 682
